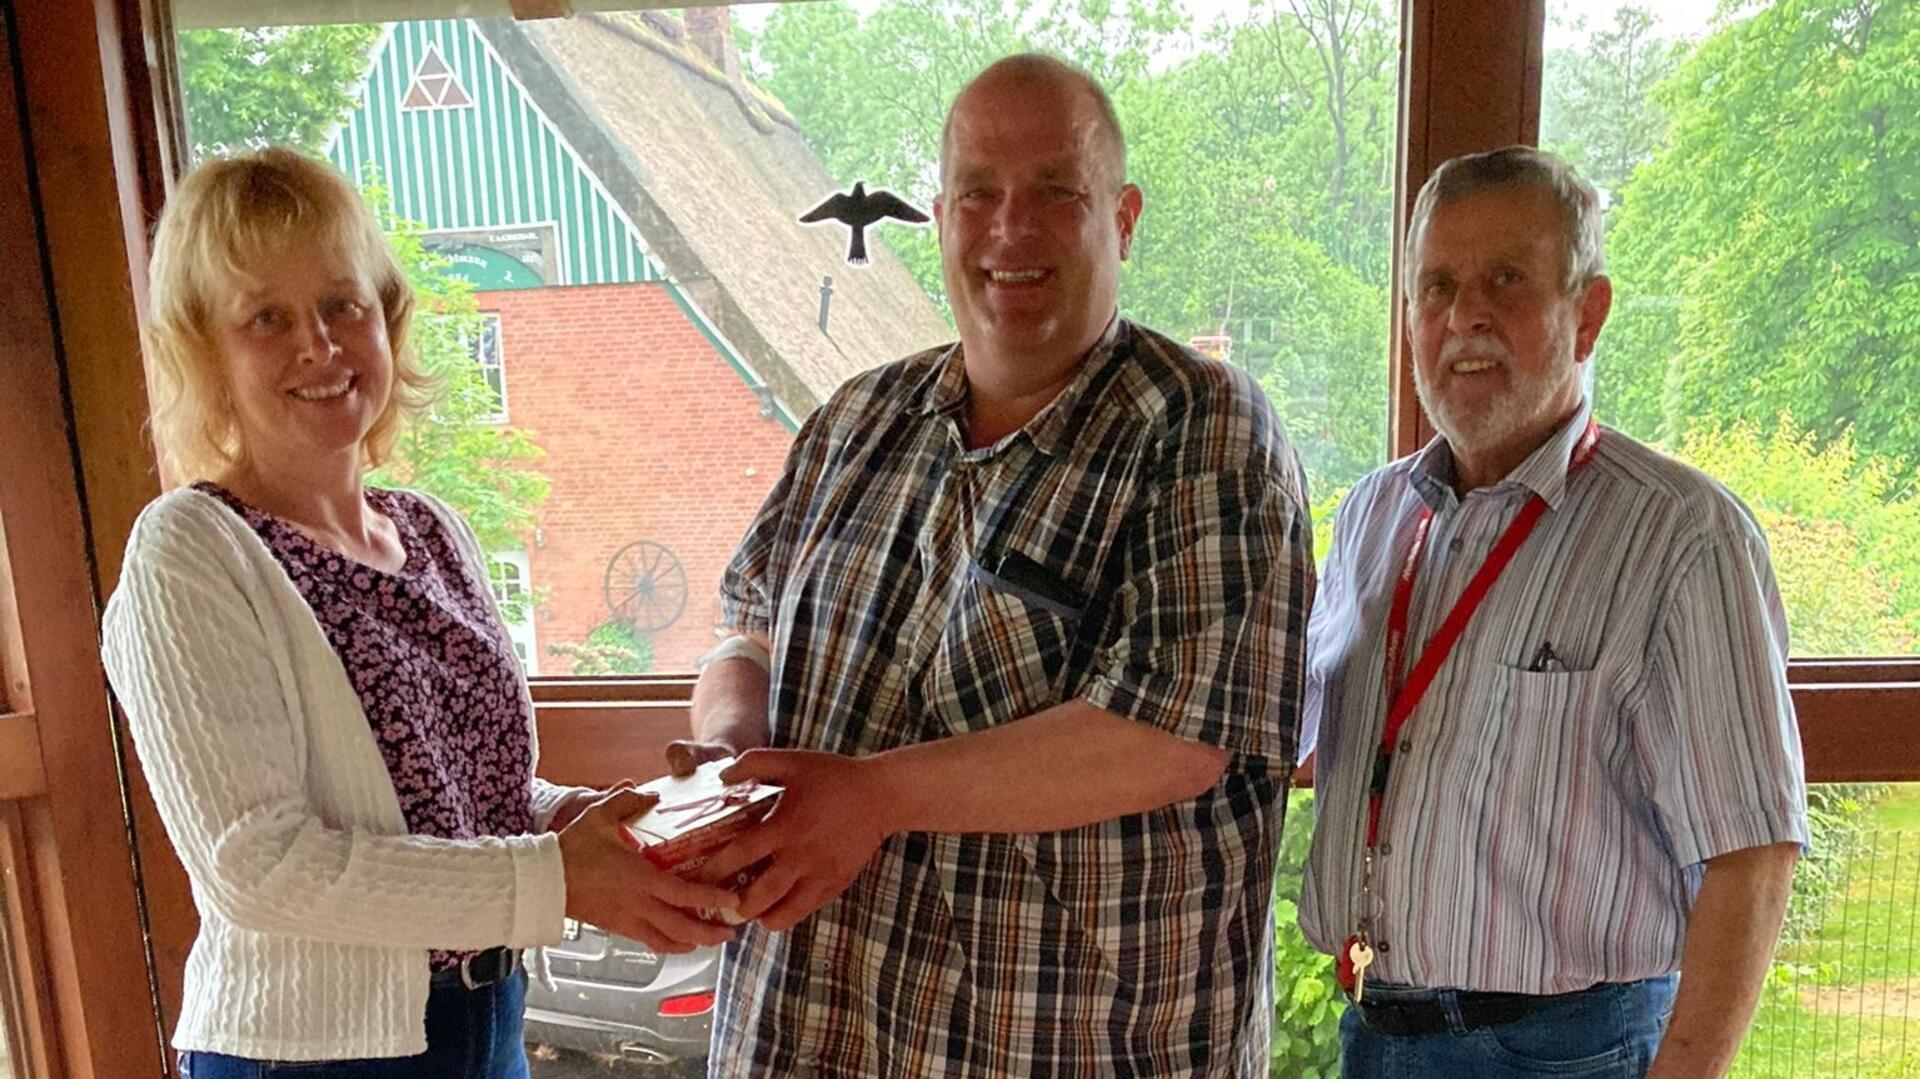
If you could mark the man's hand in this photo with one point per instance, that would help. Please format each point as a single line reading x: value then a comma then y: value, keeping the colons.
x: 729, y: 712
x: 612, y: 885
x: 825, y: 830
x: 686, y: 755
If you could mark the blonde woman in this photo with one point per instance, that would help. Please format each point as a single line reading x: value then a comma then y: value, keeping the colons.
x: 333, y: 722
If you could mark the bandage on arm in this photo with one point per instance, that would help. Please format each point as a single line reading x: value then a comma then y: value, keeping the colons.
x: 738, y: 646
x: 730, y: 699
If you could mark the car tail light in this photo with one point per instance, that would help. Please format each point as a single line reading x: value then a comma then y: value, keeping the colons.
x: 691, y: 1004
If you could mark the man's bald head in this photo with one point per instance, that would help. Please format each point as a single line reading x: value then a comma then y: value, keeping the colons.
x: 1040, y: 72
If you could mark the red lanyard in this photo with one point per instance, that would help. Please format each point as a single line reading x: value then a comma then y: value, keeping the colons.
x: 1405, y: 697
x: 1356, y: 952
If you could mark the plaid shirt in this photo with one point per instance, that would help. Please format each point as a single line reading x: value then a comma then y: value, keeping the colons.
x: 1142, y: 544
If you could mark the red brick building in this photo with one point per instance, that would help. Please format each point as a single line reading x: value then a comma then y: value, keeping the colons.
x: 680, y: 456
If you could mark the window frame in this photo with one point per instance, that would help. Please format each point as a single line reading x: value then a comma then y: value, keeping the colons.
x: 518, y: 561
x: 78, y: 163
x: 491, y: 321
x: 1469, y: 82
x: 95, y: 119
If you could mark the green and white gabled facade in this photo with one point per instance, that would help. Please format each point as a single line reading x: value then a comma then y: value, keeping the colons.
x: 462, y: 150
x: 483, y: 158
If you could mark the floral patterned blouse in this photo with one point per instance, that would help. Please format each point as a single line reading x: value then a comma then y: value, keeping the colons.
x: 431, y: 664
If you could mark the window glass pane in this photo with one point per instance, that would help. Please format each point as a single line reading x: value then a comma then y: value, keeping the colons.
x: 508, y: 574
x: 601, y: 212
x: 12, y: 1049
x: 1841, y: 997
x: 618, y: 193
x: 484, y: 344
x: 1762, y: 241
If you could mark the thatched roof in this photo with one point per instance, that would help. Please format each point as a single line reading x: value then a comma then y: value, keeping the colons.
x: 713, y: 172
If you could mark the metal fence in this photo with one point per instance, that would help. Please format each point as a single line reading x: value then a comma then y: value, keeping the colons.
x: 1843, y: 1000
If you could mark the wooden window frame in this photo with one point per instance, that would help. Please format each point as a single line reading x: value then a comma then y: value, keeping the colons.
x: 73, y: 183
x: 26, y: 989
x: 1469, y: 84
x: 94, y: 101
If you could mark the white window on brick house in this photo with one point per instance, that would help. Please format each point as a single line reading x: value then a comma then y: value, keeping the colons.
x: 486, y: 352
x: 512, y: 582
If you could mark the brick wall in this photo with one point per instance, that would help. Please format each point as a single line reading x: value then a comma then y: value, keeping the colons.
x: 649, y: 434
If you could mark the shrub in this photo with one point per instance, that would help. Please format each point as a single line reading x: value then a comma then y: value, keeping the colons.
x: 613, y: 647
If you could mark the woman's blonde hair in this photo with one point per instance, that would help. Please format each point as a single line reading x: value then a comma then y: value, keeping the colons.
x: 229, y: 215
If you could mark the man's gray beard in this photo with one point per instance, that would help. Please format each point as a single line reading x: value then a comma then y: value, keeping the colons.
x: 1497, y: 422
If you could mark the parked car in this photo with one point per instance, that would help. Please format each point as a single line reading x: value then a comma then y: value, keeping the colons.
x: 616, y: 998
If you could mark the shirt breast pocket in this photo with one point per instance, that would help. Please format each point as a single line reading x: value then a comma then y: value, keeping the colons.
x: 1011, y: 639
x: 1546, y: 734
x: 1545, y: 721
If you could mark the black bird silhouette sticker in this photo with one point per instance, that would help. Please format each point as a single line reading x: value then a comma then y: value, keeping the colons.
x: 859, y: 208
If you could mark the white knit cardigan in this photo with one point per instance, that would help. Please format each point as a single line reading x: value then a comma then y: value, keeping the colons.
x: 316, y: 907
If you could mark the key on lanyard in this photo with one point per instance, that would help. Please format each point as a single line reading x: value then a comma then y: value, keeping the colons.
x: 1360, y: 954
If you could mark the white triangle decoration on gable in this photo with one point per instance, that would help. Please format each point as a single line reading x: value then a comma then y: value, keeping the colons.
x: 435, y: 86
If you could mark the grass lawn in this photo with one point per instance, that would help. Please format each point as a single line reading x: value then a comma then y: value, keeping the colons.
x: 1846, y: 1002
x: 1901, y: 810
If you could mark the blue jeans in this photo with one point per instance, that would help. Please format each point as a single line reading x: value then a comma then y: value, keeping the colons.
x: 1607, y: 1032
x: 471, y: 1034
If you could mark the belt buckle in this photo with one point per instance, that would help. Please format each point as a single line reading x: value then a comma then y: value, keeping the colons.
x: 504, y: 957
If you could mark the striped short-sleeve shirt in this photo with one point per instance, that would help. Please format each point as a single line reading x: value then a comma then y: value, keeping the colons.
x: 1143, y: 545
x: 1544, y: 829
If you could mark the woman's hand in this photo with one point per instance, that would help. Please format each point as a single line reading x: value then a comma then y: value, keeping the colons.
x: 572, y: 804
x: 612, y: 885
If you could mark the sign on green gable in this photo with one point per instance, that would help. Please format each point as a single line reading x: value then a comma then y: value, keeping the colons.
x: 497, y: 259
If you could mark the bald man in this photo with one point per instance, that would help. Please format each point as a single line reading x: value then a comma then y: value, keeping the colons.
x: 1021, y: 632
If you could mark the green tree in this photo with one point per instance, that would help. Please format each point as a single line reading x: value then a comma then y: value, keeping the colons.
x: 1768, y: 256
x: 871, y: 92
x: 1845, y: 542
x: 1260, y: 225
x: 1338, y: 62
x: 1597, y: 109
x: 457, y: 452
x: 612, y: 648
x: 285, y: 85
x: 1307, y: 1001
x: 1269, y: 156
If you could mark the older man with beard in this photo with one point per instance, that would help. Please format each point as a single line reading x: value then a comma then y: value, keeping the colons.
x: 1557, y: 758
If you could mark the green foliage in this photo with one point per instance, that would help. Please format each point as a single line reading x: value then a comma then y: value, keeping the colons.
x: 1323, y: 513
x: 1835, y: 813
x: 1597, y: 111
x: 1307, y: 1003
x: 613, y: 647
x: 457, y: 452
x: 1268, y: 200
x: 282, y: 85
x: 1768, y: 257
x: 1844, y: 537
x: 1845, y: 946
